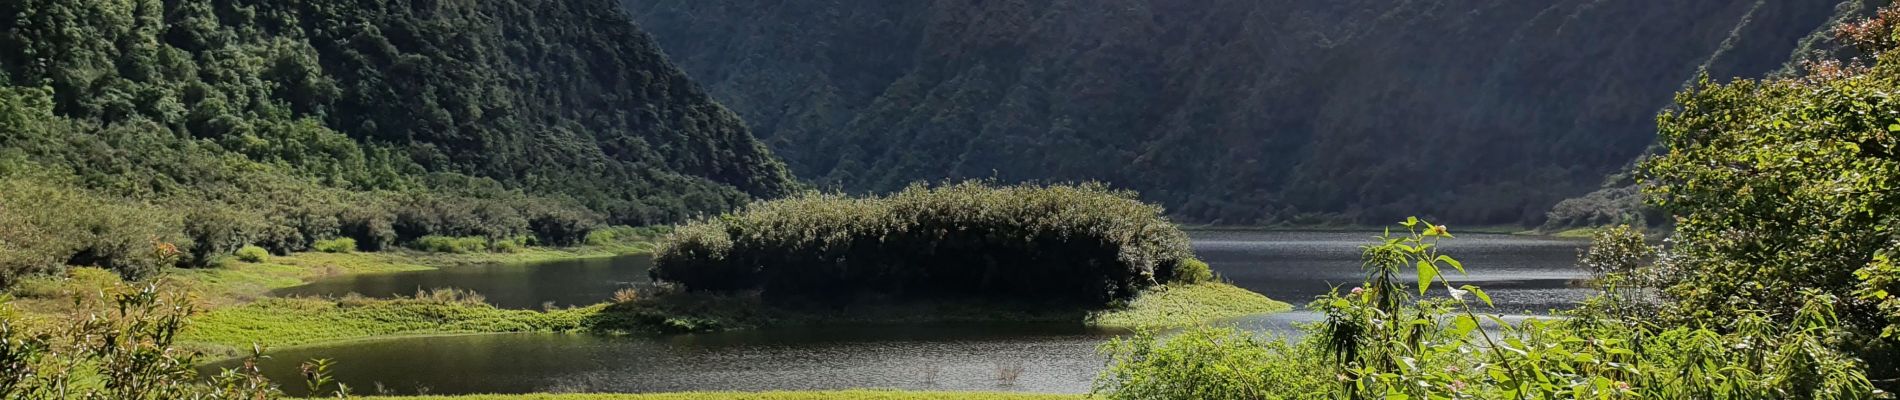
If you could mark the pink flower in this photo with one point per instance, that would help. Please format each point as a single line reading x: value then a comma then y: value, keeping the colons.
x: 1358, y: 290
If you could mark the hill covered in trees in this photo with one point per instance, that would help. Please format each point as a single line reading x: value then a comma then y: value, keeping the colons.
x: 134, y: 130
x: 1229, y: 111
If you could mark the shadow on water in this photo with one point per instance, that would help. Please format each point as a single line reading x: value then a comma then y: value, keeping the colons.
x: 563, y: 283
x: 1521, y: 274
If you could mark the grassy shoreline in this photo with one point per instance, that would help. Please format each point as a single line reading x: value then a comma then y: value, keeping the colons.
x: 785, y: 395
x: 1486, y: 229
x: 281, y: 323
x: 236, y: 311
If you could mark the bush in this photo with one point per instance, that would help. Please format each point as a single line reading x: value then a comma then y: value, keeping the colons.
x: 1058, y: 244
x: 253, y: 254
x: 621, y: 234
x: 338, y: 245
x: 448, y: 244
x: 217, y: 231
x: 562, y: 227
x: 513, y: 245
x: 1210, y: 363
x: 1381, y: 341
x: 120, y: 345
x: 1192, y: 270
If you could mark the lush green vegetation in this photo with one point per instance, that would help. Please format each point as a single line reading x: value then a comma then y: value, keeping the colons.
x: 1776, y: 282
x: 1241, y: 112
x: 291, y: 322
x: 235, y: 314
x: 1787, y: 186
x: 122, y: 348
x: 816, y: 395
x: 139, y: 135
x: 1070, y: 245
x: 1384, y: 340
x: 1162, y: 307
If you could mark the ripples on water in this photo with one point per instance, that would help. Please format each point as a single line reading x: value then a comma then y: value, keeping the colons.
x: 1522, y: 274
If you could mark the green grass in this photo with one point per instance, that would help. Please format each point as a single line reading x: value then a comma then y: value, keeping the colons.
x: 814, y: 395
x: 237, y: 312
x: 1488, y: 229
x: 1176, y: 306
x: 276, y: 322
x: 244, y: 282
x: 1170, y: 306
x: 1577, y: 232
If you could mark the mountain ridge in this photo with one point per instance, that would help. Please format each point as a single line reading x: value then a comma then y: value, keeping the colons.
x: 1234, y: 112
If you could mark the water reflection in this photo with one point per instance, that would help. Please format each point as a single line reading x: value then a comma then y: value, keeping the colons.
x: 1520, y: 273
x: 562, y: 283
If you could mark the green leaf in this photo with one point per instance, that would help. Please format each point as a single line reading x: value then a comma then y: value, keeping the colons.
x: 1893, y: 128
x: 1426, y: 273
x: 1463, y: 325
x: 1453, y: 262
x: 1480, y: 293
x: 1410, y: 222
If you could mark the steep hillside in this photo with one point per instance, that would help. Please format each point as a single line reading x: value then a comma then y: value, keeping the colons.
x: 1227, y: 111
x: 139, y: 134
x: 556, y: 97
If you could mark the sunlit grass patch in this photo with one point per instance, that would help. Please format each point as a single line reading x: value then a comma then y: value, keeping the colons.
x: 1178, y: 305
x: 813, y: 395
x: 279, y: 322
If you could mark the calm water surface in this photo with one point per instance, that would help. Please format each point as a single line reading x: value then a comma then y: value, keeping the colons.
x: 1523, y: 274
x: 561, y: 283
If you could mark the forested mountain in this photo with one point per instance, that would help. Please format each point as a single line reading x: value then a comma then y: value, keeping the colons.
x: 1232, y: 111
x: 211, y: 124
x: 554, y: 96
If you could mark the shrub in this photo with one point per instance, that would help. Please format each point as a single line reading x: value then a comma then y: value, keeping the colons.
x: 253, y: 254
x: 1382, y: 341
x: 1081, y: 244
x: 562, y: 226
x: 512, y: 245
x: 120, y: 345
x: 216, y: 231
x: 372, y: 228
x: 1210, y: 363
x: 448, y: 244
x: 1192, y: 270
x: 622, y: 234
x: 338, y: 245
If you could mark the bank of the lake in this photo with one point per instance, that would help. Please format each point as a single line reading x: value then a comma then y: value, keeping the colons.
x: 1522, y: 273
x: 239, y: 309
x: 280, y: 322
x: 236, y: 309
x: 814, y: 395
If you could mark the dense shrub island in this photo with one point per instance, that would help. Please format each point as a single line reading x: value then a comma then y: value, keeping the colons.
x: 1076, y: 244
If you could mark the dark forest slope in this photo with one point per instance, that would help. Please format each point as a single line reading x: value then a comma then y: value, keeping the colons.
x: 141, y: 134
x: 1235, y: 111
x: 563, y: 98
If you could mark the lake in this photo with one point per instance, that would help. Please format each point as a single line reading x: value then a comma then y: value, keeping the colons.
x: 1523, y: 274
x: 564, y: 283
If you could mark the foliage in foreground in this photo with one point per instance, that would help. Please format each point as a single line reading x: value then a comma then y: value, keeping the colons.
x: 122, y: 349
x: 1786, y: 186
x: 1378, y: 341
x: 1081, y: 244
